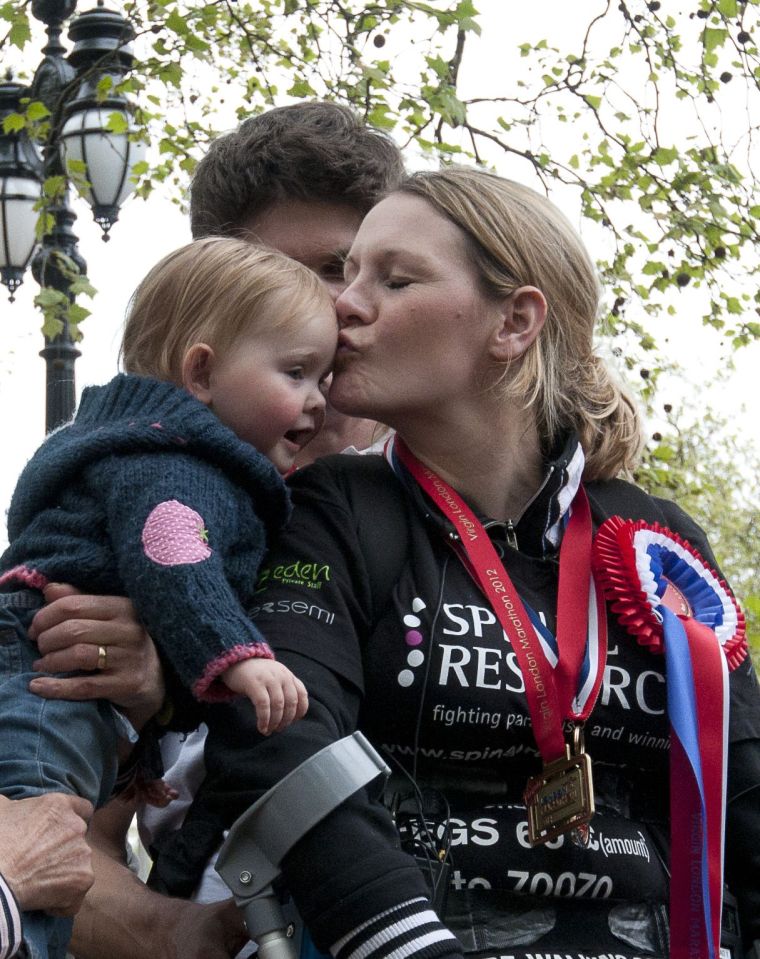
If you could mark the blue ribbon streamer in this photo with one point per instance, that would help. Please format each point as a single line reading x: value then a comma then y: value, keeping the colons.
x: 682, y: 713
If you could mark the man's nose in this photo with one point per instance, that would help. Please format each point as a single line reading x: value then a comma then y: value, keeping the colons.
x: 335, y: 286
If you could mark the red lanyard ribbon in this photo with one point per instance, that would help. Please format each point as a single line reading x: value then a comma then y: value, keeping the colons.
x: 550, y: 692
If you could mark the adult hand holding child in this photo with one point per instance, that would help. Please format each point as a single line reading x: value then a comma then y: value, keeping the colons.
x: 44, y: 857
x: 69, y: 630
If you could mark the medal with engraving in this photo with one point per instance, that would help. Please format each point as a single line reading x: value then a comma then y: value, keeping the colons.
x: 563, y: 677
x: 561, y: 798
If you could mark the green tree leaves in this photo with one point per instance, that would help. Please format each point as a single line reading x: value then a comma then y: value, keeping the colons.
x: 633, y: 117
x: 711, y: 473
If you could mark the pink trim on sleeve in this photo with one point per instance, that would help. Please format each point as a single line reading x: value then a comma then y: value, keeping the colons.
x: 24, y: 576
x: 210, y: 689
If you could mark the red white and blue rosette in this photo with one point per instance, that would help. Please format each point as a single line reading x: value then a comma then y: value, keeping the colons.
x: 666, y: 595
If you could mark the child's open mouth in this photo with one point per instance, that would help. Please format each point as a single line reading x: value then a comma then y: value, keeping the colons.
x: 299, y: 438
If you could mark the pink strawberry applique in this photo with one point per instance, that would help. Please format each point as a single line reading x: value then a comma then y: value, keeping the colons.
x: 174, y: 534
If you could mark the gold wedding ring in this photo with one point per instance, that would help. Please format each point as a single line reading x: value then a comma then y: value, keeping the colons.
x: 102, y: 657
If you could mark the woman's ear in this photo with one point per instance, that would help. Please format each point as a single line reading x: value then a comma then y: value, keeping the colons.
x: 196, y: 371
x: 523, y: 314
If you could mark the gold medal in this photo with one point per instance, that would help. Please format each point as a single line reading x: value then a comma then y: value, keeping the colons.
x: 561, y: 798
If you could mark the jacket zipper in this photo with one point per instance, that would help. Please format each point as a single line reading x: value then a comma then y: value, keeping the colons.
x: 509, y: 526
x: 511, y: 535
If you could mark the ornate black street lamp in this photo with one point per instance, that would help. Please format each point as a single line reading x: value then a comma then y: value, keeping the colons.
x: 78, y: 90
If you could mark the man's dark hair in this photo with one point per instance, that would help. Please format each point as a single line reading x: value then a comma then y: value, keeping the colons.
x: 306, y: 151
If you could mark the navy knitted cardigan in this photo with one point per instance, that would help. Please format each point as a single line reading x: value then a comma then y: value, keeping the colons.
x: 146, y: 494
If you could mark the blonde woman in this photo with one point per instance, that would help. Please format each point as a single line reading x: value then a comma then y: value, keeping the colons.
x: 165, y: 488
x: 442, y: 600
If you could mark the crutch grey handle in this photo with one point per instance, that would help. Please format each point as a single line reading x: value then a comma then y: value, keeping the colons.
x: 249, y: 861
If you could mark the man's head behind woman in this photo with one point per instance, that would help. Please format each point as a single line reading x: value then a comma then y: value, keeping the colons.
x: 316, y: 152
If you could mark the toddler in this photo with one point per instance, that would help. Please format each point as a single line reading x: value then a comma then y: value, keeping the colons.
x: 165, y: 488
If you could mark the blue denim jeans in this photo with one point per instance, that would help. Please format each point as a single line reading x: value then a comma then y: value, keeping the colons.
x: 45, y: 936
x: 47, y: 745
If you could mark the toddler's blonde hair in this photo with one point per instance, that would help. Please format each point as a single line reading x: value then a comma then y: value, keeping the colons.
x: 213, y: 291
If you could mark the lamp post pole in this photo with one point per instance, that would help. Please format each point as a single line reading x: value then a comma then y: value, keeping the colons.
x: 69, y: 87
x: 54, y: 76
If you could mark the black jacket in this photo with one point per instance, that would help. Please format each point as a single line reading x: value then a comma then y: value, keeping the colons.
x: 346, y: 605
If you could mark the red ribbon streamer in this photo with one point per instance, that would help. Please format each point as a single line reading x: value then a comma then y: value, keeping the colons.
x: 550, y: 692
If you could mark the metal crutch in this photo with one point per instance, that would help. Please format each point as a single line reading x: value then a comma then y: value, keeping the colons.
x: 249, y: 861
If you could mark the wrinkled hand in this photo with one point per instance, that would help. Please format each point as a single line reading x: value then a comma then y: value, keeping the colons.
x: 278, y: 696
x: 69, y: 630
x: 44, y: 856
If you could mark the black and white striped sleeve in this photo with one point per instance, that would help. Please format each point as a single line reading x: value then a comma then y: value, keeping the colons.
x: 10, y: 922
x: 408, y: 929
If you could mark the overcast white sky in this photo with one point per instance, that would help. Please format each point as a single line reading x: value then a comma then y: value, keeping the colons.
x: 146, y: 231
